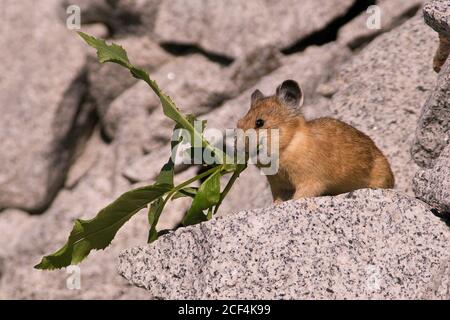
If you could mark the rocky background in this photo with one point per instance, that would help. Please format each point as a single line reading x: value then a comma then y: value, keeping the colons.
x: 75, y: 134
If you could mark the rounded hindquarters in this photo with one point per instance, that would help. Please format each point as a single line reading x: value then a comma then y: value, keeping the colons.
x: 381, y: 175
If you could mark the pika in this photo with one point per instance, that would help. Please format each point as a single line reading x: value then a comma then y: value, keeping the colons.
x: 320, y: 157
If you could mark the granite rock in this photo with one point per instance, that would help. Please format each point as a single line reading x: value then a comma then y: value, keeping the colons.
x: 433, y: 130
x: 437, y: 15
x: 38, y: 117
x: 266, y: 23
x: 369, y: 244
x: 134, y: 17
x: 433, y: 185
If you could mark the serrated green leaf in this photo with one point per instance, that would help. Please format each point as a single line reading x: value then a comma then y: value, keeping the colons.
x: 97, y: 233
x: 107, y: 53
x: 154, y: 213
x: 207, y: 196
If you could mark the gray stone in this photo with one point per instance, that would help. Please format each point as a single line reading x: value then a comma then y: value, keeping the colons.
x: 392, y: 13
x: 437, y: 15
x: 433, y: 130
x: 41, y: 87
x: 11, y: 222
x: 134, y: 17
x: 235, y: 27
x: 433, y: 185
x: 249, y: 69
x: 369, y: 244
x: 381, y: 92
x: 98, y: 30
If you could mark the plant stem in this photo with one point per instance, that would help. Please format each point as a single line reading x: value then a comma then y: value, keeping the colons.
x: 228, y: 186
x: 197, y: 177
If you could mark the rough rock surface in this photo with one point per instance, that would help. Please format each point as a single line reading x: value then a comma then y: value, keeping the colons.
x: 377, y: 244
x: 433, y: 130
x: 437, y: 15
x: 45, y: 110
x: 433, y: 185
x: 392, y: 13
x: 276, y: 23
x: 381, y: 92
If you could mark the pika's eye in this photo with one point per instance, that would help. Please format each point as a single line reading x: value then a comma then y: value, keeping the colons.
x: 259, y: 123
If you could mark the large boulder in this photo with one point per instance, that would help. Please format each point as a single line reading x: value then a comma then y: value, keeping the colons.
x: 368, y: 244
x: 437, y: 15
x: 233, y: 28
x: 432, y: 133
x: 41, y: 87
x: 433, y: 185
x: 381, y: 92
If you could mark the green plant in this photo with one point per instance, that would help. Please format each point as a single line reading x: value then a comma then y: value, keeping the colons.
x: 97, y: 233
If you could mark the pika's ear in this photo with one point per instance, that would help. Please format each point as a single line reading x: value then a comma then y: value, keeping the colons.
x: 256, y: 96
x: 290, y: 93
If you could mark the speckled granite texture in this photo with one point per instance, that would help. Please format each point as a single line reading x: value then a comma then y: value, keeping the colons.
x: 433, y: 130
x: 437, y: 15
x: 433, y: 185
x: 366, y: 244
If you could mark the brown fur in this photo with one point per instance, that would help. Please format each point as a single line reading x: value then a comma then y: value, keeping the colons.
x: 319, y: 157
